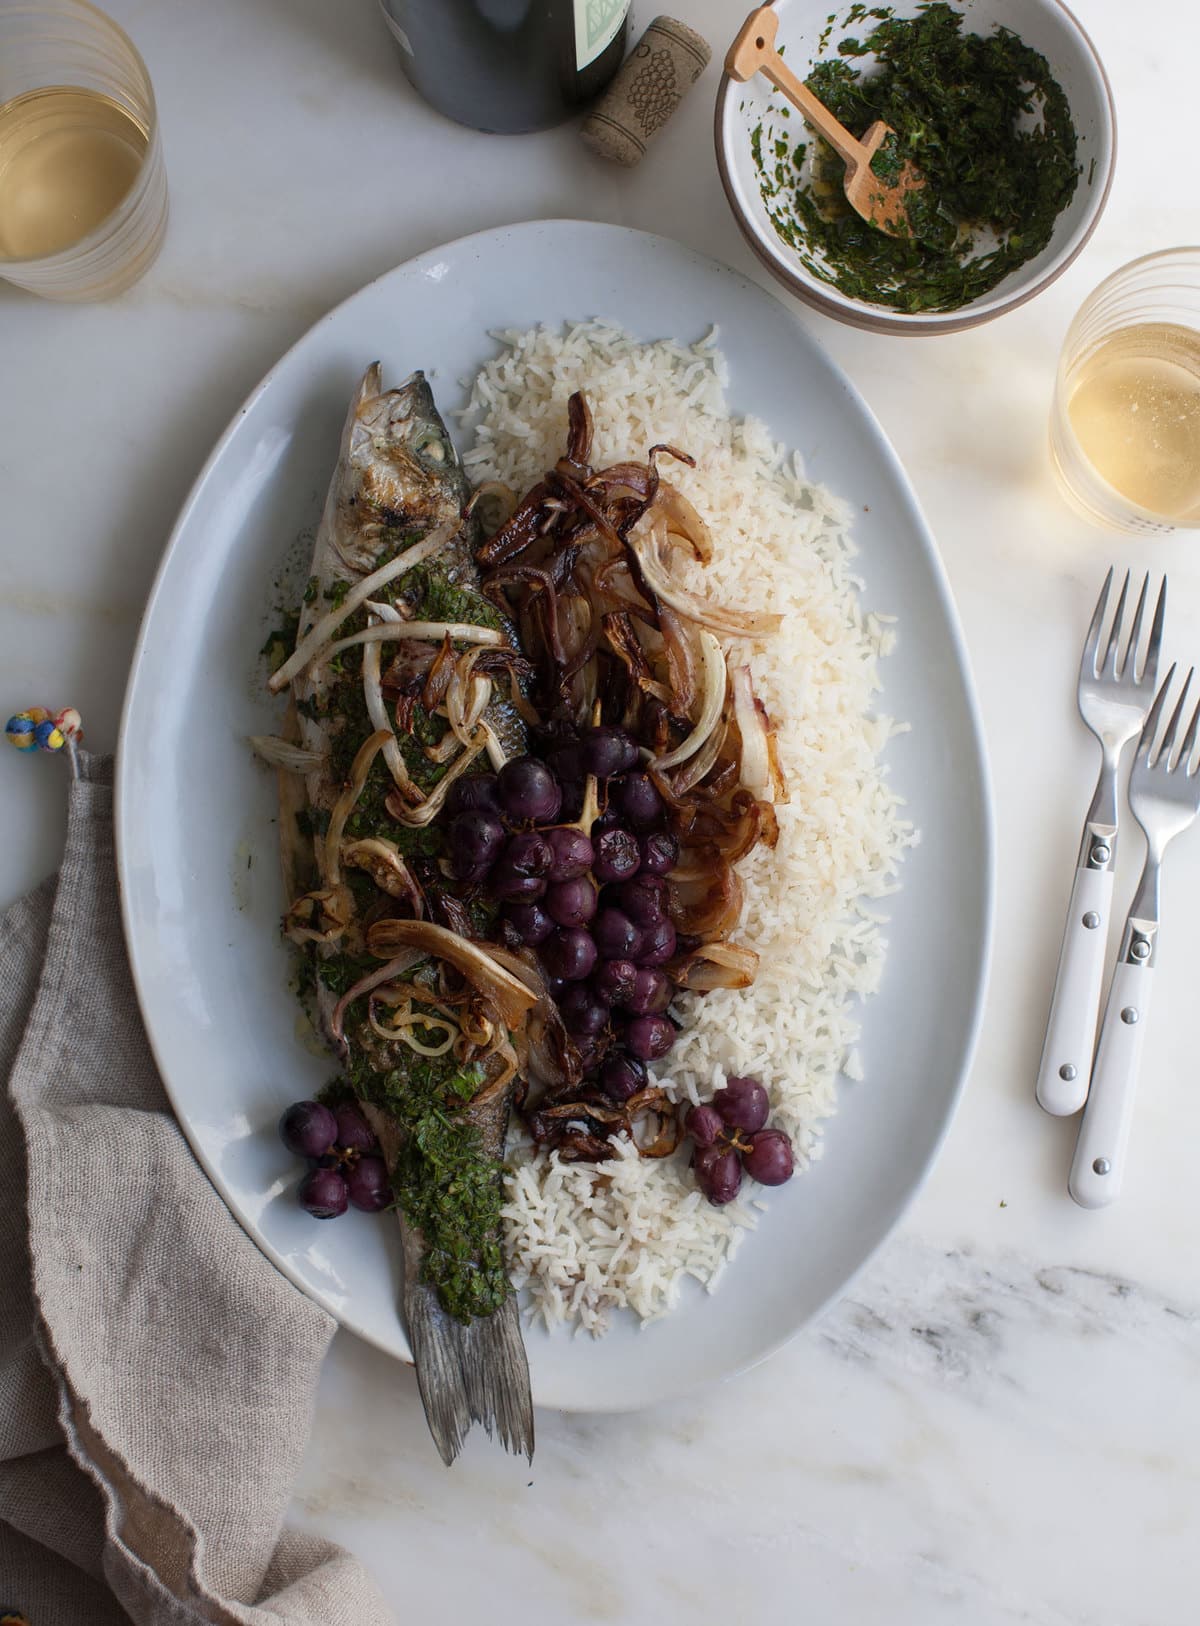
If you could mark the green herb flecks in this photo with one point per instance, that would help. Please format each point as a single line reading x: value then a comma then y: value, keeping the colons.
x: 445, y: 1183
x: 985, y: 121
x: 281, y: 639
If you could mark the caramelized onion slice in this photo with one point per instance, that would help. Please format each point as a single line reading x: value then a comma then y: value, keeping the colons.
x: 285, y: 754
x: 760, y: 771
x: 324, y: 628
x: 417, y: 817
x: 715, y: 965
x: 319, y: 917
x: 396, y: 967
x: 712, y: 703
x: 345, y: 804
x: 493, y: 504
x: 683, y: 520
x: 655, y: 572
x: 707, y: 908
x: 382, y: 861
x: 512, y: 999
x: 400, y: 1029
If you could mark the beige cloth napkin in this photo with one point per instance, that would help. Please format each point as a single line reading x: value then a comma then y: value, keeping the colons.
x: 157, y: 1373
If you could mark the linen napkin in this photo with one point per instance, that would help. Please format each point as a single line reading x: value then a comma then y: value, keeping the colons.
x: 157, y: 1374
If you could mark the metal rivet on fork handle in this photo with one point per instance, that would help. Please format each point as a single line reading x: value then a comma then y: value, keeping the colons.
x: 1067, y: 1071
x: 1102, y: 1166
x: 1091, y: 920
x: 1129, y: 1015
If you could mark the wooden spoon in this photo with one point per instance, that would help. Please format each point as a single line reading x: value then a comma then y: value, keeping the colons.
x: 882, y: 202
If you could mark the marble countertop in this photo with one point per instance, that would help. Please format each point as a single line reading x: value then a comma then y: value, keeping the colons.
x: 998, y: 1423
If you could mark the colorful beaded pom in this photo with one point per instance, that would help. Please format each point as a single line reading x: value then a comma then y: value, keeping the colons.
x: 38, y: 729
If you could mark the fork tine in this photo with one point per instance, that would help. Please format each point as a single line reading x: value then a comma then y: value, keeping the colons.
x: 1163, y: 753
x: 1150, y: 668
x: 1129, y: 666
x: 1091, y: 644
x: 1150, y: 726
x: 1189, y: 740
x: 1110, y: 654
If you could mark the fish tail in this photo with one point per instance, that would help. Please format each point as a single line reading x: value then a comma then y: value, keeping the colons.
x: 473, y: 1372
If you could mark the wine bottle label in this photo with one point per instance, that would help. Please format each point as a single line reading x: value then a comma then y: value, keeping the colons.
x: 596, y: 25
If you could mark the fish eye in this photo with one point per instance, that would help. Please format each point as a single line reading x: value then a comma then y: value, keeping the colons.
x: 430, y: 445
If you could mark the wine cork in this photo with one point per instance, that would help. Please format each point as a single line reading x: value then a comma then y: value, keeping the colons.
x: 653, y: 80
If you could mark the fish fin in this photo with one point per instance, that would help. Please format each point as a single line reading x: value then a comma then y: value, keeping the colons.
x: 473, y: 1372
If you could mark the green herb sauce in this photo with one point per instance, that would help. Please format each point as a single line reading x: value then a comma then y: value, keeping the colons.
x: 444, y: 1181
x: 985, y: 121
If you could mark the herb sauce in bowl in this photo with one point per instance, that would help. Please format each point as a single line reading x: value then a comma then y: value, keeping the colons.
x: 981, y: 115
x: 1004, y: 107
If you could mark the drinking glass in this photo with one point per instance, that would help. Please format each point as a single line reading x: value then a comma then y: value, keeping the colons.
x: 1125, y: 423
x: 48, y: 49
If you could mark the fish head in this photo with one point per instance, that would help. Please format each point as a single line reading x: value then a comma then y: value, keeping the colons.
x: 401, y: 471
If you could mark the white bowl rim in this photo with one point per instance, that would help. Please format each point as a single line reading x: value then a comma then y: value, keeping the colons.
x: 877, y: 318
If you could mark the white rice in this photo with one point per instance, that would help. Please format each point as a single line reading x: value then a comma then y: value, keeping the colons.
x: 585, y: 1240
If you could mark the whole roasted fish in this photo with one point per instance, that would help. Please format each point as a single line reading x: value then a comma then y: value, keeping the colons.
x: 397, y: 679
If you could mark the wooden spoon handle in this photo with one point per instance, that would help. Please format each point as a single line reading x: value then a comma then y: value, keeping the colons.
x: 754, y: 52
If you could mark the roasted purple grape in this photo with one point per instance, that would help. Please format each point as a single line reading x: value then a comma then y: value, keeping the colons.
x: 617, y: 855
x: 571, y: 854
x: 660, y: 853
x: 616, y: 936
x: 308, y: 1129
x: 529, y: 791
x: 475, y: 792
x: 367, y: 1184
x: 650, y: 1037
x: 644, y: 899
x: 703, y: 1124
x: 571, y: 903
x: 615, y: 981
x: 622, y: 1076
x: 658, y: 943
x: 769, y: 1160
x: 323, y: 1194
x: 636, y: 798
x: 522, y: 867
x: 510, y: 883
x: 742, y: 1104
x: 354, y: 1133
x: 569, y: 953
x: 718, y: 1174
x: 475, y: 839
x: 582, y: 1012
x: 529, y: 852
x: 529, y: 920
x: 608, y: 751
x: 651, y: 992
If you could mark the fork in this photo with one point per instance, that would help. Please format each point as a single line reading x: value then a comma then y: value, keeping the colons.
x: 1164, y: 794
x: 1114, y: 696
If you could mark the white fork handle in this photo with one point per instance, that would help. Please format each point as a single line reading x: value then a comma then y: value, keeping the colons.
x: 1062, y: 1083
x: 1099, y: 1162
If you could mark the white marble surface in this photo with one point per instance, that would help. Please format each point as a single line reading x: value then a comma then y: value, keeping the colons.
x: 999, y: 1423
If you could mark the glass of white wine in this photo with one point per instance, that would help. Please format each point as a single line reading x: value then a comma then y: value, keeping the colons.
x: 83, y: 188
x: 1125, y: 425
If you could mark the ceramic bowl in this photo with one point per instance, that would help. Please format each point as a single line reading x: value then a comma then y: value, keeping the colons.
x: 806, y: 35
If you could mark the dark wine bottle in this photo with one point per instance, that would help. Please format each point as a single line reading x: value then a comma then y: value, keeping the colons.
x: 509, y: 65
